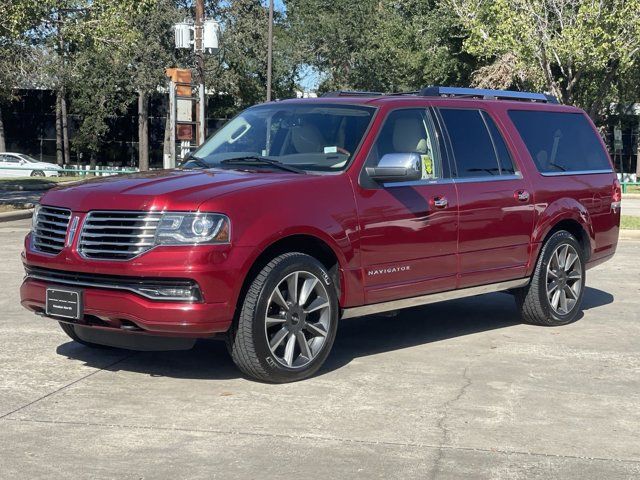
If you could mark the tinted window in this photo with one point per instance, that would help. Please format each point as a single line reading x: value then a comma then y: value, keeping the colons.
x: 473, y: 148
x: 504, y: 158
x: 560, y: 142
x: 407, y: 131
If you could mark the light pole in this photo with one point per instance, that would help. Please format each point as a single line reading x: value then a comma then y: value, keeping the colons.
x: 269, y: 50
x: 199, y: 49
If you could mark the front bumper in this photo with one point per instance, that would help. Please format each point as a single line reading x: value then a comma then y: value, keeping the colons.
x: 218, y: 271
x: 114, y: 309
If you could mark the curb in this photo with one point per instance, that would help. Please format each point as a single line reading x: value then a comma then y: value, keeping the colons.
x: 17, y: 215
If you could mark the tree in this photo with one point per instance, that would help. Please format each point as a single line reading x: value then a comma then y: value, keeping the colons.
x: 574, y: 49
x: 387, y: 45
x: 153, y: 53
x: 240, y: 69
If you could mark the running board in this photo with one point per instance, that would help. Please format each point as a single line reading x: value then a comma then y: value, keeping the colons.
x: 432, y: 298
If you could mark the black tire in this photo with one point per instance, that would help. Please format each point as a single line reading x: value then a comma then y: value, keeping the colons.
x: 71, y: 332
x: 249, y: 338
x: 37, y: 173
x: 533, y: 300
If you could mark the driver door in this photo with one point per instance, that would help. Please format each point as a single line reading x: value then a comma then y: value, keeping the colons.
x: 409, y: 230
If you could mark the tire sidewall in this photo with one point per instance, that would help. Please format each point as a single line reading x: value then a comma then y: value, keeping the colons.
x: 558, y: 239
x: 277, y: 371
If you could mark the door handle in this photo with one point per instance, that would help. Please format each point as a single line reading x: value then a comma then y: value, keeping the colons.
x: 440, y: 202
x: 522, y: 196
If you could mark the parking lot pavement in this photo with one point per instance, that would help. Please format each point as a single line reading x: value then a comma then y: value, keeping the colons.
x: 453, y: 390
x: 631, y: 206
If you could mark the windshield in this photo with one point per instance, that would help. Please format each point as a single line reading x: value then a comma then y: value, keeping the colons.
x: 309, y: 137
x: 28, y: 159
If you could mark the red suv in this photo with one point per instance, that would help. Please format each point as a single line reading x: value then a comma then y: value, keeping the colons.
x: 298, y: 213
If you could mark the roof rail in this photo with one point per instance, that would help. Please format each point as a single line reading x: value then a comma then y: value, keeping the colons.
x: 352, y: 93
x: 487, y: 94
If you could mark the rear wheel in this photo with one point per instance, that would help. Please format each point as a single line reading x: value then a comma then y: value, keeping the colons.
x: 37, y: 173
x: 554, y: 295
x: 288, y: 320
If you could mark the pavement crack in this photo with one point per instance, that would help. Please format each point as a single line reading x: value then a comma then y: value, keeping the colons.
x: 445, y: 437
x: 78, y: 380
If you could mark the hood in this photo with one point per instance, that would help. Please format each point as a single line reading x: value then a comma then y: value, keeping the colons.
x: 158, y: 190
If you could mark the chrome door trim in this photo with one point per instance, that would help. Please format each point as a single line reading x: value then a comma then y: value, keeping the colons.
x: 432, y: 298
x: 575, y: 172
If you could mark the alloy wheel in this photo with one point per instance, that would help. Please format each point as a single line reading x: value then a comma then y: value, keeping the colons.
x: 297, y: 319
x: 564, y: 279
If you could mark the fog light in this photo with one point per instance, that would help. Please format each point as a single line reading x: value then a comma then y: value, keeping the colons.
x: 172, y: 293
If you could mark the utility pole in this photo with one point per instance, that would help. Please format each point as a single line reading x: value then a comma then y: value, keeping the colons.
x: 270, y: 51
x: 199, y: 50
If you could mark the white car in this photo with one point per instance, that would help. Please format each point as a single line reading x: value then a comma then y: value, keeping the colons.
x: 21, y: 165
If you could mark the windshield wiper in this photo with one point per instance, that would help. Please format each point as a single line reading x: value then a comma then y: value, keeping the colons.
x: 258, y: 160
x: 197, y: 161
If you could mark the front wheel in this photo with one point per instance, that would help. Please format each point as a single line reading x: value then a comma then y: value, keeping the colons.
x: 554, y: 295
x: 37, y: 173
x: 288, y: 320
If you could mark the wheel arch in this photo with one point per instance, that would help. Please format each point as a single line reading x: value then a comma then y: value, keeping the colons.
x: 307, y: 243
x: 565, y: 214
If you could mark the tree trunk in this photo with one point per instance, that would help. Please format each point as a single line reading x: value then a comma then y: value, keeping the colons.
x: 3, y: 146
x: 65, y: 127
x: 143, y: 131
x: 59, y: 147
x: 92, y: 161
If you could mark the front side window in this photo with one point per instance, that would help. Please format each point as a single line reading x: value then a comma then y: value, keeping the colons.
x: 478, y: 147
x: 305, y: 136
x: 559, y: 141
x: 408, y: 131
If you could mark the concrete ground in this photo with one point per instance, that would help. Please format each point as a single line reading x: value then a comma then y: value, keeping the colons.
x: 458, y: 390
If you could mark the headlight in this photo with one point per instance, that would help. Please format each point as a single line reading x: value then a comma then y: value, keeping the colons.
x: 34, y: 216
x: 192, y: 229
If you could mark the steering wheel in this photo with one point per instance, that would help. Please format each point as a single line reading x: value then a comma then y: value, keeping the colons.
x: 343, y: 151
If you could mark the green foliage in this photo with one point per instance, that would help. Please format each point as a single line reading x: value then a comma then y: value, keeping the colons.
x: 239, y: 71
x: 388, y: 45
x: 574, y: 49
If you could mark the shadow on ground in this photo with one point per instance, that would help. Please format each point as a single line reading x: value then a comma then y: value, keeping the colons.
x: 359, y: 337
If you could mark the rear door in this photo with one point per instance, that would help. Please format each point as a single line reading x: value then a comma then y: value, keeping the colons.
x: 496, y: 210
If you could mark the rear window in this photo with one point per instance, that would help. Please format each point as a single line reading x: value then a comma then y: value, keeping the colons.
x: 478, y: 147
x: 560, y: 142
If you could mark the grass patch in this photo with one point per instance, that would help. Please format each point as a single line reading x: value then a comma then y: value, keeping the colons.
x: 7, y: 208
x: 630, y: 223
x: 633, y: 188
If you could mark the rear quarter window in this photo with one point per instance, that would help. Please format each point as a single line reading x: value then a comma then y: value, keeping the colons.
x: 560, y: 142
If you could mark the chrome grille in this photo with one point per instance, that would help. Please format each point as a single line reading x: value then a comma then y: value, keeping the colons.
x: 117, y: 235
x: 50, y: 229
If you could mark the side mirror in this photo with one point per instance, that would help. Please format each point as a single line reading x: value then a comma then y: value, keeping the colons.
x: 397, y: 167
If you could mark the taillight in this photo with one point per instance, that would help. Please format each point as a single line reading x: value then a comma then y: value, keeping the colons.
x: 617, y: 191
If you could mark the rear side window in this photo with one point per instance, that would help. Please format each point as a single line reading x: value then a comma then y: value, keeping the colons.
x: 478, y: 147
x: 560, y: 142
